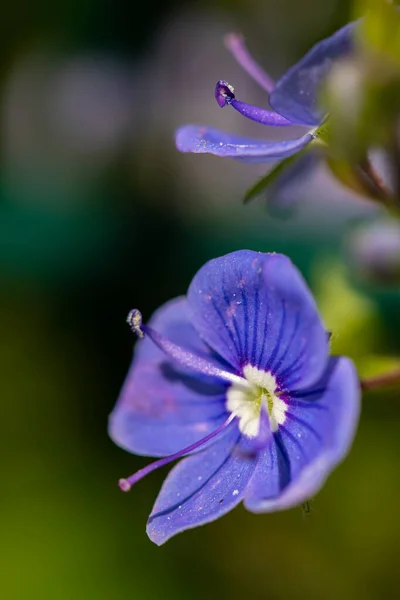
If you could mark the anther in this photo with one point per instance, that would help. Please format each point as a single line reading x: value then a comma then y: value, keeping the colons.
x: 134, y: 320
x: 224, y: 93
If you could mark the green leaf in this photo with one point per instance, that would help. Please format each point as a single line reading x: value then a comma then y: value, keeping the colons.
x: 363, y: 98
x: 272, y: 176
x: 380, y: 28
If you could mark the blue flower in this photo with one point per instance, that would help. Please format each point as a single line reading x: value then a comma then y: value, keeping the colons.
x: 294, y: 99
x: 237, y: 374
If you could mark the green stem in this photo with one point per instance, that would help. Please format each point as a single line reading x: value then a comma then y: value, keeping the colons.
x: 375, y: 182
x: 392, y: 378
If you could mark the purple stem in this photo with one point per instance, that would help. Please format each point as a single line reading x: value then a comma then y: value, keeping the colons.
x: 236, y: 45
x: 126, y: 484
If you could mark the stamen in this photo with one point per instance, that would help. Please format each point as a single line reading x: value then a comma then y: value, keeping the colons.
x: 134, y: 320
x: 236, y: 45
x: 224, y: 94
x: 126, y: 484
x: 181, y: 355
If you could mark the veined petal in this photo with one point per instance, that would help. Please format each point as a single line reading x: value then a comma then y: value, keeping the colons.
x: 295, y: 96
x: 254, y: 308
x: 203, y: 139
x: 163, y: 408
x: 317, y: 434
x: 202, y: 487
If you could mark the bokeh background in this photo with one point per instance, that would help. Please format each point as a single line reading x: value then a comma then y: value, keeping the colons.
x: 99, y: 213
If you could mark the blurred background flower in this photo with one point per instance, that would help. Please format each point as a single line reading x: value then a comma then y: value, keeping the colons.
x: 100, y: 213
x: 375, y: 252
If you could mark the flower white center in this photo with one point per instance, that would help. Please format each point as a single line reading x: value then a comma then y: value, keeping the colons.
x: 246, y: 402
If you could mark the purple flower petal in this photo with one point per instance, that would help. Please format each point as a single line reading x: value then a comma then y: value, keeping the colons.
x: 255, y: 308
x: 162, y: 408
x: 295, y: 96
x: 202, y: 487
x: 316, y: 436
x: 203, y: 139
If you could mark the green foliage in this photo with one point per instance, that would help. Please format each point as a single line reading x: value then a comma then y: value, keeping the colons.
x: 272, y: 176
x: 380, y: 28
x: 352, y: 319
x: 362, y: 93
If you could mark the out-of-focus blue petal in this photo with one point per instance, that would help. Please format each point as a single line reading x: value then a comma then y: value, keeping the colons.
x: 202, y: 487
x: 374, y: 251
x: 295, y: 96
x: 202, y: 139
x: 255, y: 308
x: 317, y: 434
x: 162, y: 408
x: 281, y: 193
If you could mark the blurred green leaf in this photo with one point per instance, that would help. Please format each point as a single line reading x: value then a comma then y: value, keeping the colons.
x: 363, y: 98
x: 380, y: 28
x: 362, y: 94
x: 347, y: 175
x: 375, y: 364
x: 352, y: 318
x: 272, y: 176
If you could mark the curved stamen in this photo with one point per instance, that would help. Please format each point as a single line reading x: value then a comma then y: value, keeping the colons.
x: 224, y: 94
x: 236, y: 45
x: 126, y: 484
x: 179, y: 354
